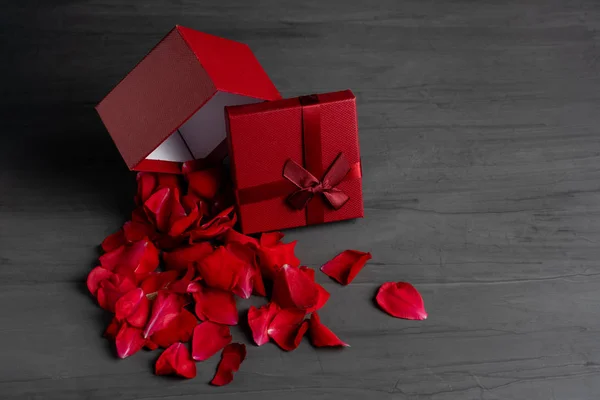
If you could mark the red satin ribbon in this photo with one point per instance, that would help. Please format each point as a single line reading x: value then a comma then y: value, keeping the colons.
x: 301, y: 182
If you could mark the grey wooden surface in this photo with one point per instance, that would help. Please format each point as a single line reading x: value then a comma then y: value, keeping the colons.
x: 479, y: 134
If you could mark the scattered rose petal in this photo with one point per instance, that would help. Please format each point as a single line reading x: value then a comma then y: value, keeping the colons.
x: 182, y: 285
x: 208, y: 339
x: 345, y: 266
x: 129, y: 340
x: 113, y: 241
x: 96, y: 276
x: 259, y: 320
x: 221, y: 269
x: 110, y: 290
x: 231, y: 358
x: 254, y: 281
x: 322, y: 336
x: 176, y: 360
x: 141, y: 256
x: 112, y: 329
x: 164, y: 208
x: 273, y: 254
x: 156, y: 281
x: 293, y: 288
x: 216, y: 305
x: 233, y: 236
x: 323, y: 296
x: 180, y: 329
x: 165, y: 308
x: 182, y: 257
x: 133, y: 307
x: 205, y: 183
x: 401, y: 300
x: 287, y: 328
x: 214, y: 228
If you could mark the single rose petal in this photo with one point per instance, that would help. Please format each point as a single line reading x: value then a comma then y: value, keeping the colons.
x: 138, y: 230
x: 273, y: 254
x: 323, y: 296
x: 322, y: 336
x: 287, y: 328
x: 141, y: 256
x: 176, y: 360
x: 293, y: 288
x: 164, y: 208
x: 233, y: 236
x: 113, y: 241
x: 146, y: 184
x: 156, y: 281
x: 96, y: 276
x: 208, y: 339
x: 204, y: 183
x: 221, y: 269
x: 178, y: 330
x: 231, y: 358
x: 259, y: 320
x: 401, y: 300
x: 181, y: 257
x: 165, y: 308
x: 254, y: 282
x: 216, y: 305
x: 214, y: 228
x: 245, y: 282
x: 133, y: 307
x: 345, y: 266
x: 129, y: 340
x: 270, y: 239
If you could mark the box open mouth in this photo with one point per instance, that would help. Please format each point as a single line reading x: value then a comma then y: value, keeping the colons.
x: 202, y: 132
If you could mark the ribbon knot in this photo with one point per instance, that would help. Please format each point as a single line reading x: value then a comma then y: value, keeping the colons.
x: 308, y: 185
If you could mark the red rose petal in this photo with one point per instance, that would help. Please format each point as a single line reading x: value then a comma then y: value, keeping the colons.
x: 181, y: 257
x: 322, y: 336
x: 273, y: 254
x: 113, y: 241
x: 176, y: 360
x: 164, y: 208
x: 111, y: 290
x: 345, y: 266
x: 96, y: 276
x: 216, y: 305
x: 112, y: 329
x: 129, y: 340
x: 216, y: 227
x: 204, y: 183
x: 221, y: 269
x: 323, y: 296
x: 165, y: 308
x: 208, y: 339
x: 233, y: 236
x: 146, y: 184
x: 133, y: 307
x: 180, y: 329
x: 293, y: 288
x: 259, y: 320
x: 254, y: 282
x: 181, y: 286
x: 287, y: 328
x: 156, y: 281
x: 401, y: 300
x: 141, y: 256
x: 134, y: 230
x: 245, y: 282
x: 231, y: 358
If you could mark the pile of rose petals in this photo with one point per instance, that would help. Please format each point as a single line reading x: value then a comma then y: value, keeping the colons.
x: 179, y: 261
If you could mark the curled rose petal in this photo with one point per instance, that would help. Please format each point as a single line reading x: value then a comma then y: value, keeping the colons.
x: 273, y: 254
x: 253, y: 282
x: 214, y: 228
x: 345, y: 266
x: 259, y: 320
x: 208, y: 339
x: 323, y: 296
x: 231, y: 358
x: 165, y: 308
x: 164, y: 208
x: 221, y: 269
x: 287, y: 328
x: 176, y: 360
x: 110, y: 290
x: 96, y: 276
x: 401, y: 300
x: 181, y: 257
x: 293, y: 288
x: 216, y: 305
x: 129, y: 340
x: 141, y: 256
x: 178, y: 330
x: 133, y: 307
x: 322, y: 336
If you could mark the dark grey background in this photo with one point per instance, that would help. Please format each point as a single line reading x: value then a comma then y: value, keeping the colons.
x: 479, y: 133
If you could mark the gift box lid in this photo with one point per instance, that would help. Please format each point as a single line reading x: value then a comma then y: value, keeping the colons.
x: 312, y: 131
x: 170, y: 108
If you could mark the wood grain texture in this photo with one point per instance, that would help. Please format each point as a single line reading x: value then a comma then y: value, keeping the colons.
x: 479, y: 133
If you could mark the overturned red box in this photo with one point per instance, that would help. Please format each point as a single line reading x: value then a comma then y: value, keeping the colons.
x: 170, y: 108
x: 295, y: 162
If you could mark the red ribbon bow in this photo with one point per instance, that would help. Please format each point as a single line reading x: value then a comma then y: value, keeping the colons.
x: 308, y: 185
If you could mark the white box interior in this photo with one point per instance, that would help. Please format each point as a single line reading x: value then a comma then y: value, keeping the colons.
x: 200, y: 134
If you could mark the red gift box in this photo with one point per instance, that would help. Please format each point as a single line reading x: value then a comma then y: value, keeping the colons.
x: 169, y: 108
x: 295, y: 162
